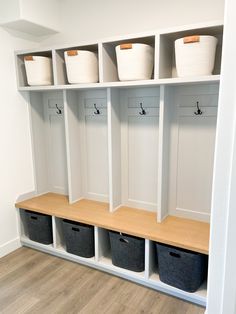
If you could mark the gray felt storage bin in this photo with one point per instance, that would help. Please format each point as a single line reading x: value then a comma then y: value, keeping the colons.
x: 127, y: 251
x: 181, y: 268
x: 39, y: 227
x: 79, y: 238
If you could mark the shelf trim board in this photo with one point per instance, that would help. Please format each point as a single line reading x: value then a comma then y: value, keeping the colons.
x: 120, y: 84
x: 180, y: 232
x: 156, y: 285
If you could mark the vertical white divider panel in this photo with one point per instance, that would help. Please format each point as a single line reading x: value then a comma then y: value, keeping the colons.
x: 114, y: 148
x: 156, y: 57
x: 96, y: 244
x: 54, y: 232
x: 147, y: 259
x: 150, y: 259
x: 100, y: 62
x: 163, y: 164
x: 72, y: 145
x: 54, y: 68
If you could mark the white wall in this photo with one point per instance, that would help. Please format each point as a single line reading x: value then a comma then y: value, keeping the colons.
x: 16, y: 175
x: 91, y: 19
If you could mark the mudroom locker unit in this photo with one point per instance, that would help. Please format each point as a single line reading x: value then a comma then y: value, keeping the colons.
x: 135, y: 157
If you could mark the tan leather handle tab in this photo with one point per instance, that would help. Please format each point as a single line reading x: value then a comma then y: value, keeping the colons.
x: 191, y: 39
x: 72, y: 53
x: 125, y: 46
x: 29, y: 58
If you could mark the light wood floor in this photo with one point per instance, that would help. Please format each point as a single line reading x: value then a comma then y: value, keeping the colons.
x: 34, y: 282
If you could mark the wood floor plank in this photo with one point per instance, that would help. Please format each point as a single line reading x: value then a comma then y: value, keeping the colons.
x: 17, y: 259
x: 21, y: 305
x: 33, y: 282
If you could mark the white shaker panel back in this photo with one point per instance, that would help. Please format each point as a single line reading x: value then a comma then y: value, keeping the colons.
x: 93, y: 115
x: 140, y: 148
x: 142, y: 159
x: 195, y: 163
x: 192, y: 151
x: 54, y: 114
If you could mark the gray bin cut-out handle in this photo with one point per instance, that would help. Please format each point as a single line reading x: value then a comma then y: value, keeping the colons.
x: 124, y: 240
x: 173, y: 254
x: 34, y: 217
x: 75, y: 229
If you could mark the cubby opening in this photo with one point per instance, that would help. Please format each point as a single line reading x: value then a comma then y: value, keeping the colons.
x: 134, y: 121
x: 61, y: 74
x: 103, y: 246
x: 24, y: 232
x: 20, y: 65
x: 104, y: 254
x: 58, y: 235
x: 154, y: 276
x: 190, y: 143
x: 48, y: 141
x: 87, y: 145
x: 22, y: 221
x: 167, y: 67
x: 60, y: 243
x: 153, y: 262
x: 110, y: 73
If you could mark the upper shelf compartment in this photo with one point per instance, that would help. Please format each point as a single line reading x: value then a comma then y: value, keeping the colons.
x: 127, y: 46
x: 22, y: 80
x: 82, y: 62
x: 167, y: 62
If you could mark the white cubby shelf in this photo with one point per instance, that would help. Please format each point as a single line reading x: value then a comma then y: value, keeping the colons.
x: 164, y: 64
x: 98, y: 160
x: 102, y: 259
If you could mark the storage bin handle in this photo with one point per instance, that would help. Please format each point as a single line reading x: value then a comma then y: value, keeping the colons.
x: 125, y: 46
x: 75, y: 229
x: 72, y: 53
x: 34, y: 217
x: 173, y: 254
x: 191, y: 39
x: 124, y: 240
x: 29, y: 58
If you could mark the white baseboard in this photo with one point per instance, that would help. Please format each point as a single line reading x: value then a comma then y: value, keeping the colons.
x: 9, y: 247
